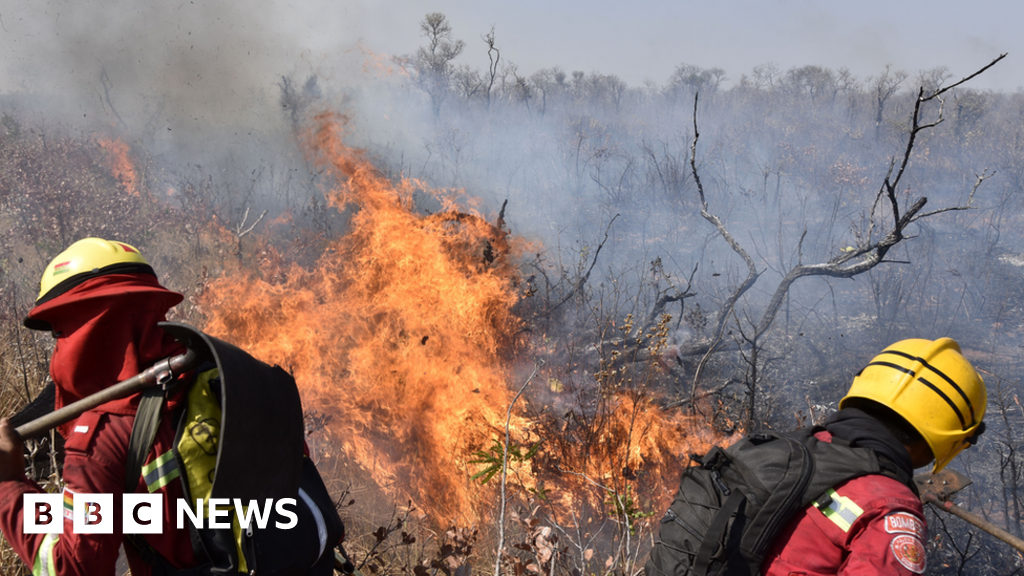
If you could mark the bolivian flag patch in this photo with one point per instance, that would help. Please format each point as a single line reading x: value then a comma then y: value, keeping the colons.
x: 62, y: 268
x: 69, y: 505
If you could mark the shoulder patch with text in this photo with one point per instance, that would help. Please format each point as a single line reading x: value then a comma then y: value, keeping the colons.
x: 904, y: 523
x: 909, y: 551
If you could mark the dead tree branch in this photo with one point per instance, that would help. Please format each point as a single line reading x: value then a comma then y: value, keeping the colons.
x: 752, y: 273
x: 241, y: 229
x: 970, y: 198
x: 670, y: 295
x: 872, y: 252
x: 967, y: 78
x: 107, y: 84
x: 582, y: 281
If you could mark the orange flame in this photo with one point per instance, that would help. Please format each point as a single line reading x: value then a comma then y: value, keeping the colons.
x: 377, y: 63
x: 119, y: 165
x: 399, y: 331
x: 625, y: 448
x: 403, y: 332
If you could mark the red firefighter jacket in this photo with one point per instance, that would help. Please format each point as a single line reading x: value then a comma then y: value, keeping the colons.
x: 96, y: 450
x: 873, y: 525
x: 106, y: 330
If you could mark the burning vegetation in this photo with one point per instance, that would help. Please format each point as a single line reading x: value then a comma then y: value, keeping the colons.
x: 523, y: 384
x: 401, y: 331
x: 405, y: 333
x: 120, y: 166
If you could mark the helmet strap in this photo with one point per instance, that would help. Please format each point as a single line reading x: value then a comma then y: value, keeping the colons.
x: 973, y: 438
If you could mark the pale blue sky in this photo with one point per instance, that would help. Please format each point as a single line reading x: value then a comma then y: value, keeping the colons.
x: 646, y: 39
x: 213, y: 61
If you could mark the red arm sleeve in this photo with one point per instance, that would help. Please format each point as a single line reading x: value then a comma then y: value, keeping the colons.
x: 11, y: 518
x: 887, y: 539
x: 89, y: 469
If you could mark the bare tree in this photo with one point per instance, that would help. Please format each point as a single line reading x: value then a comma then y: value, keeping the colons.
x: 882, y: 88
x: 433, y: 62
x: 877, y: 236
x: 766, y: 76
x: 493, y: 57
x: 546, y: 84
x: 815, y: 81
x: 689, y: 79
x: 296, y: 101
x: 933, y: 78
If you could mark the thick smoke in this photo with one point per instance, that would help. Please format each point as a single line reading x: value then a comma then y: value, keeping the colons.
x: 169, y: 74
x: 791, y: 159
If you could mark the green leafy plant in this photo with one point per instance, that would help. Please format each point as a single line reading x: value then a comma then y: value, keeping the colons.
x: 493, y: 458
x: 623, y: 505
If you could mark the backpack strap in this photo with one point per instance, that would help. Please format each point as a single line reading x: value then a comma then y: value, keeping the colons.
x: 147, y: 421
x: 144, y: 429
x: 832, y: 504
x: 716, y: 530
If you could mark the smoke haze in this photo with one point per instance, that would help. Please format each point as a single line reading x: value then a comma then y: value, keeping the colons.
x: 587, y: 133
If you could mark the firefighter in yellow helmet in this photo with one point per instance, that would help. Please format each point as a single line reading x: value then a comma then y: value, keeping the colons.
x: 102, y: 301
x: 917, y: 402
x: 931, y: 386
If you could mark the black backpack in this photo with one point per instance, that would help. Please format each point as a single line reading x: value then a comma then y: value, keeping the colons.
x: 733, y: 504
x: 257, y: 440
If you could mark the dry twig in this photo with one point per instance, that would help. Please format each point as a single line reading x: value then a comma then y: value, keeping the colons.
x: 504, y: 469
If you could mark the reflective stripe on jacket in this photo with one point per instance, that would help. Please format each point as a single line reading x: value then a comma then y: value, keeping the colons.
x: 96, y: 451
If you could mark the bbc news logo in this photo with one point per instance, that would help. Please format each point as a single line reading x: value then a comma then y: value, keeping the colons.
x: 144, y: 513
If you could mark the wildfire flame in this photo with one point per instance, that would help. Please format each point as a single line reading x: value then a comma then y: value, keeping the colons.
x: 404, y: 332
x: 377, y: 63
x: 119, y: 164
x: 400, y: 330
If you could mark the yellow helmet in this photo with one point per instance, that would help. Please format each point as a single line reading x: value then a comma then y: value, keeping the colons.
x: 933, y: 387
x: 85, y: 259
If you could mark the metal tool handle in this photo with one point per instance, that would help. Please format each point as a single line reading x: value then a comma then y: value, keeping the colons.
x: 947, y: 506
x: 160, y: 373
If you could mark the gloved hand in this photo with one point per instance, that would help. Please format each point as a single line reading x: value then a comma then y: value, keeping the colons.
x: 12, y: 452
